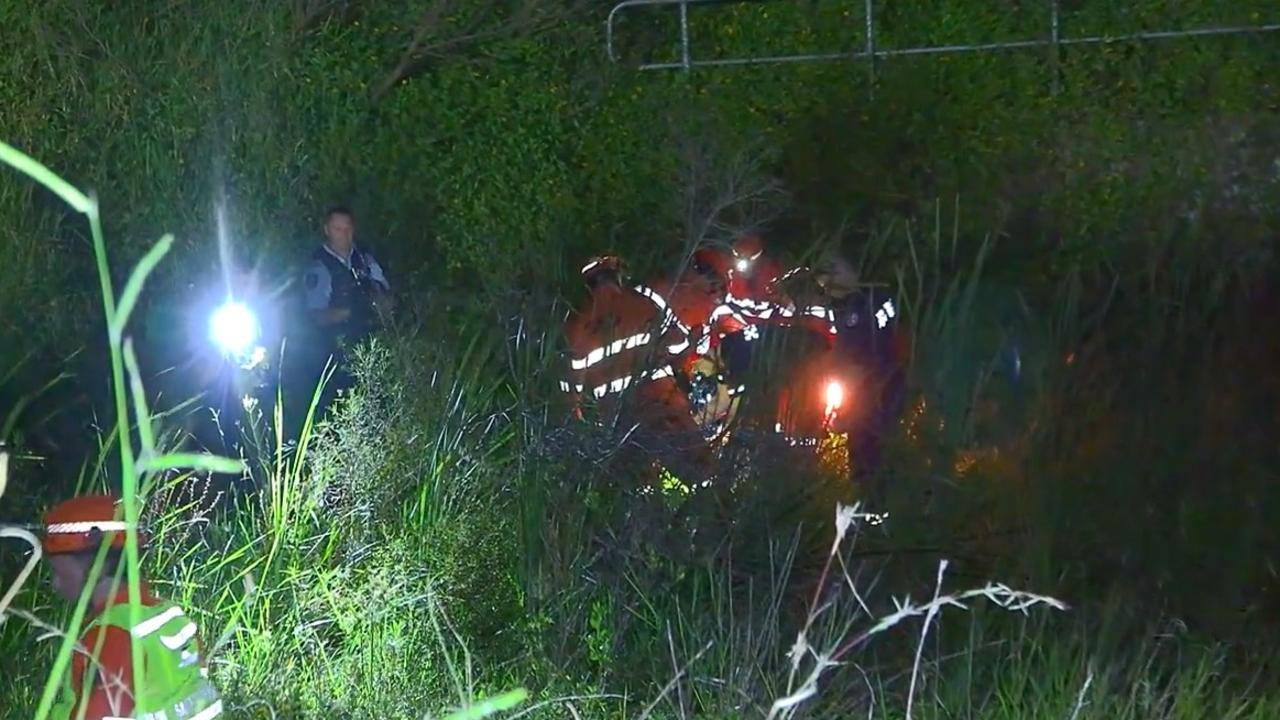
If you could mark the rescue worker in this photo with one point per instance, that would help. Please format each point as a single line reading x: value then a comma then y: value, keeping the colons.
x: 622, y: 343
x: 693, y: 296
x: 346, y: 297
x: 753, y: 300
x: 173, y: 684
x: 866, y: 320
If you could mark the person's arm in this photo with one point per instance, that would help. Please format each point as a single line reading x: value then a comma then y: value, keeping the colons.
x: 111, y: 693
x: 319, y: 288
x: 382, y: 299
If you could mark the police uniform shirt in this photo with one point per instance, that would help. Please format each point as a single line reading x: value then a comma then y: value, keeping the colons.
x: 318, y: 284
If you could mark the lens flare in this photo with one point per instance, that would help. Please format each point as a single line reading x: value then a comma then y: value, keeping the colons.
x: 743, y: 264
x: 234, y: 327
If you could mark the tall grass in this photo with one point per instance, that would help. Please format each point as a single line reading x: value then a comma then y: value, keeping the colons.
x: 443, y: 537
x: 142, y: 465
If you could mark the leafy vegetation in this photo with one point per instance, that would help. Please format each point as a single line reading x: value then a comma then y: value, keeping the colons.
x: 447, y: 537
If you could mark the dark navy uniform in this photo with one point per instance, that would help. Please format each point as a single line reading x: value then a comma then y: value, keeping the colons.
x: 335, y: 282
x: 331, y: 282
x: 866, y: 323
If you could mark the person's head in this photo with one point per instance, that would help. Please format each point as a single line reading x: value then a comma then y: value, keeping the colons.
x: 71, y: 571
x: 340, y: 229
x: 602, y: 271
x: 746, y: 249
x: 836, y: 275
x: 74, y: 532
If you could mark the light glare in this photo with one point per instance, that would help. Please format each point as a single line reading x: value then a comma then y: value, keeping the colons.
x: 835, y: 396
x: 233, y: 327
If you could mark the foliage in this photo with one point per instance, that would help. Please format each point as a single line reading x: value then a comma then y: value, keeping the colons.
x: 1107, y: 214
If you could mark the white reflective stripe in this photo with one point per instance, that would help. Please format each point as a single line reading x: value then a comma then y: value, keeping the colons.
x: 820, y: 312
x: 589, y: 266
x: 788, y: 274
x: 613, y: 348
x: 617, y: 385
x: 669, y: 318
x: 760, y: 309
x: 652, y: 295
x: 886, y: 313
x: 75, y: 528
x: 565, y: 387
x: 180, y: 638
x: 722, y: 310
x: 746, y: 302
x: 704, y: 344
x: 146, y: 627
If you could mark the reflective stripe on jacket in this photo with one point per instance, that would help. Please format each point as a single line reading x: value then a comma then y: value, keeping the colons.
x: 624, y: 335
x: 172, y: 684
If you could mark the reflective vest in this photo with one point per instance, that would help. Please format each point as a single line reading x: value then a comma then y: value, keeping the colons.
x: 172, y: 683
x: 625, y: 336
x: 867, y: 321
x: 351, y: 287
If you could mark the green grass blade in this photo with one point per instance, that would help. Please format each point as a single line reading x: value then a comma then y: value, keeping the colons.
x: 190, y: 461
x: 33, y: 169
x: 497, y: 704
x: 133, y: 288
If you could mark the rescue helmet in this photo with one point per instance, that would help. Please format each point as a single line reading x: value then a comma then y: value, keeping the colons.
x: 746, y: 248
x: 601, y: 267
x: 79, y: 524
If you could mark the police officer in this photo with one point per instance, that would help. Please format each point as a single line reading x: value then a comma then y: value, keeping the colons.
x: 346, y: 296
x: 346, y: 289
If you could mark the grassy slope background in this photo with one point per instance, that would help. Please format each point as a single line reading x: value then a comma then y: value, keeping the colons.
x: 1131, y: 214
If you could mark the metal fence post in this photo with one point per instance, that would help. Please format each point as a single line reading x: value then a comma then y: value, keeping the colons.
x: 871, y: 47
x: 1054, y: 57
x: 1054, y: 43
x: 684, y: 35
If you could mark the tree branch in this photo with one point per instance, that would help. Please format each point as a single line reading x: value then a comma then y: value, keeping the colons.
x: 308, y: 14
x: 428, y: 41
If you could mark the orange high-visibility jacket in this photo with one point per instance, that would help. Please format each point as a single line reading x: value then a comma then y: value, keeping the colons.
x: 621, y: 337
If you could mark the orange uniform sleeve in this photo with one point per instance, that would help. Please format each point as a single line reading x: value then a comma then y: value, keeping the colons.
x: 112, y: 675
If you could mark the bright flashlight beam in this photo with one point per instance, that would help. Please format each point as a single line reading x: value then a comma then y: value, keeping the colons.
x: 835, y: 396
x: 743, y: 264
x: 233, y: 327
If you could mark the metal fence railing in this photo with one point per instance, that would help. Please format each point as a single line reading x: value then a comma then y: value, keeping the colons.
x: 871, y: 52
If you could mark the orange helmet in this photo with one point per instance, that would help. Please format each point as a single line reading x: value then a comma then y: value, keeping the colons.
x: 746, y: 248
x: 70, y: 525
x: 748, y: 245
x: 601, y: 263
